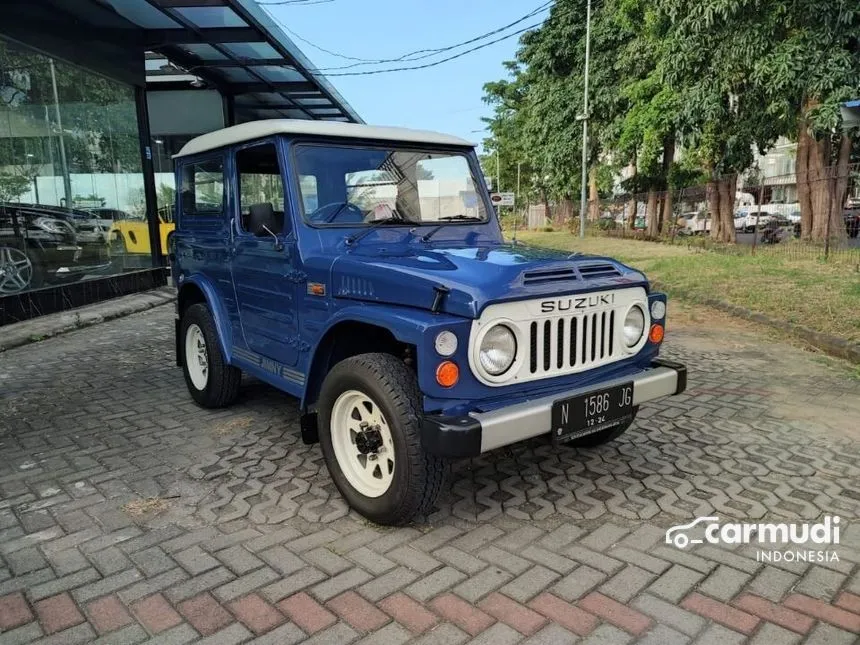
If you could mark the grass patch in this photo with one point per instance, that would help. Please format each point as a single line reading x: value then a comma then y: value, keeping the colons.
x: 232, y: 425
x: 802, y: 290
x: 139, y: 507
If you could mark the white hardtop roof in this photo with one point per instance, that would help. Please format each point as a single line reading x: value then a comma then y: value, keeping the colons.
x: 259, y: 129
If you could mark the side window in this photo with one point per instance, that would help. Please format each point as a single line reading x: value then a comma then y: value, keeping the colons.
x: 260, y: 183
x: 203, y: 188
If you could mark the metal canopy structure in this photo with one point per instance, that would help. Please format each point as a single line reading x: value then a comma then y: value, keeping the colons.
x: 235, y: 47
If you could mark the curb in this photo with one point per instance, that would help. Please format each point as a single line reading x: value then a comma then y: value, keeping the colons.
x: 832, y: 345
x: 43, y: 327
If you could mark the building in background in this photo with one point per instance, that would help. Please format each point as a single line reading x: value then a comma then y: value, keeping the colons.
x: 95, y: 97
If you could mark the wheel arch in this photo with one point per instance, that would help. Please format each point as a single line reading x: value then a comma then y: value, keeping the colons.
x: 348, y: 337
x: 198, y: 290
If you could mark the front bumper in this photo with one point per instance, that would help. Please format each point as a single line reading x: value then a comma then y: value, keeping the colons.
x: 478, y: 432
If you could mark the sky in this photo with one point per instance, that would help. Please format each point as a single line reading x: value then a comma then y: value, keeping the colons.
x: 446, y: 98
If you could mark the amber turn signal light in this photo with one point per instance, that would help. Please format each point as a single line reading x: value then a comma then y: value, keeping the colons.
x: 447, y: 374
x: 656, y: 333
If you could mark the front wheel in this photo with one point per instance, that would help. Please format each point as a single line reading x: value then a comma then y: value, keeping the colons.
x: 370, y: 433
x: 212, y: 382
x: 604, y: 436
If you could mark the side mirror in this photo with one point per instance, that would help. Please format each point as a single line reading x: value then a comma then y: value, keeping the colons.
x: 263, y: 221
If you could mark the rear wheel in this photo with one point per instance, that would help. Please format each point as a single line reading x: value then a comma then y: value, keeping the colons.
x: 604, y: 436
x: 212, y: 382
x: 370, y: 433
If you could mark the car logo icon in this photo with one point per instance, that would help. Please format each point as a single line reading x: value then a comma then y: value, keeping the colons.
x: 676, y: 536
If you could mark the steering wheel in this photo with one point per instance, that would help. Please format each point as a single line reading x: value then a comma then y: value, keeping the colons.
x: 337, y: 209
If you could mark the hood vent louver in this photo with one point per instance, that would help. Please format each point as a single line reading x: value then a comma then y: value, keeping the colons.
x: 593, y: 271
x: 549, y: 275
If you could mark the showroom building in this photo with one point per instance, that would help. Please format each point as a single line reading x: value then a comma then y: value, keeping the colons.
x: 95, y: 97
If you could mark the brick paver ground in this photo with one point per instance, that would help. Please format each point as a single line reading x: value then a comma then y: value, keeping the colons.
x: 128, y: 514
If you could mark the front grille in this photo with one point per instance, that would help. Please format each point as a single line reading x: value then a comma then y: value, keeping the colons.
x: 577, y: 334
x: 578, y: 342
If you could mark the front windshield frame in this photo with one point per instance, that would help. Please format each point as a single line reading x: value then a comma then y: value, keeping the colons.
x: 467, y: 154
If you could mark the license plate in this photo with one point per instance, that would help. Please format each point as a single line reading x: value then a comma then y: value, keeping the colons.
x: 586, y: 414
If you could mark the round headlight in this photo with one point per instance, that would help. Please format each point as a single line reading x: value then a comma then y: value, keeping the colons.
x: 446, y: 343
x: 498, y: 350
x: 658, y: 310
x: 634, y: 326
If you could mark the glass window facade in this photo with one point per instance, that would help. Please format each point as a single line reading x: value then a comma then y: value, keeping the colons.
x: 72, y: 203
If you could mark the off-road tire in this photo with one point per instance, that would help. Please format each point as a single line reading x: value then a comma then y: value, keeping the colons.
x: 222, y: 385
x: 604, y: 436
x: 418, y: 475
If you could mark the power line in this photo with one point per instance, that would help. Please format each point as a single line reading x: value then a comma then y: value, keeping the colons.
x: 419, y: 54
x: 435, y: 63
x: 429, y: 53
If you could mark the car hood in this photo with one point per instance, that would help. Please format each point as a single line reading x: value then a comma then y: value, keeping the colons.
x: 475, y: 276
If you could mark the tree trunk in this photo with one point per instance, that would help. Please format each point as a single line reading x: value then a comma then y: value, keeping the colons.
x: 593, y: 197
x: 728, y: 188
x: 803, y: 193
x: 668, y: 212
x: 668, y: 205
x: 840, y: 188
x: 564, y: 212
x: 713, y: 192
x: 633, y: 204
x: 819, y: 157
x: 651, y: 213
x: 547, y: 213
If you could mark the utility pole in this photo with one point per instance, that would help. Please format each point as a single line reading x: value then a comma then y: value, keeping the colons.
x: 582, y: 191
x: 498, y: 171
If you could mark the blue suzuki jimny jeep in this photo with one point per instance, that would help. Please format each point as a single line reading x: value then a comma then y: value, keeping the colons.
x: 363, y: 270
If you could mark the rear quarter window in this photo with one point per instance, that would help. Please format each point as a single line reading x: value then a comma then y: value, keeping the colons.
x: 202, y: 189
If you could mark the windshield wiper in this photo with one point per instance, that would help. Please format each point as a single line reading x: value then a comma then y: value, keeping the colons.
x: 463, y: 218
x: 449, y: 218
x: 388, y: 221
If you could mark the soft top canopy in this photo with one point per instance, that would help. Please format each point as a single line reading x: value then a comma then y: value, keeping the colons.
x: 259, y: 129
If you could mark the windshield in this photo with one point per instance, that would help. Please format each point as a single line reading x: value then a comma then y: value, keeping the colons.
x: 358, y: 186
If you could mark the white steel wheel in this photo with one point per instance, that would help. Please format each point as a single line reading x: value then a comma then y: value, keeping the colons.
x: 196, y: 357
x: 16, y: 270
x: 362, y: 443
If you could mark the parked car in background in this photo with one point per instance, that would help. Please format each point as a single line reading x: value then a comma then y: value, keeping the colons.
x: 107, y: 216
x: 851, y: 217
x: 90, y: 227
x: 694, y: 223
x: 40, y: 246
x: 129, y: 237
x: 746, y: 220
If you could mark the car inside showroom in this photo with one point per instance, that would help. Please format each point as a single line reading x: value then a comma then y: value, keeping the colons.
x: 95, y: 98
